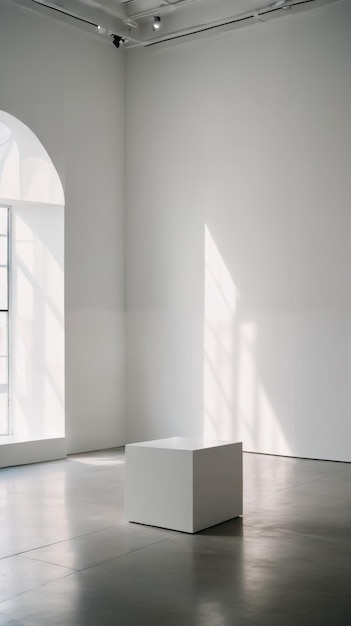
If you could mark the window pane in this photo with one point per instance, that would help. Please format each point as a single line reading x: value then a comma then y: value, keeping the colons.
x: 3, y: 413
x: 3, y: 220
x: 3, y: 334
x: 3, y: 288
x: 3, y: 371
x: 3, y: 250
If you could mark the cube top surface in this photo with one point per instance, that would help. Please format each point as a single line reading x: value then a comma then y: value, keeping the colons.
x: 182, y: 443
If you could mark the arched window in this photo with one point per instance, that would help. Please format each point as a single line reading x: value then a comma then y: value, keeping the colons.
x: 32, y: 194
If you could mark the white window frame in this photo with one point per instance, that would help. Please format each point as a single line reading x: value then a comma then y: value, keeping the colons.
x: 7, y: 310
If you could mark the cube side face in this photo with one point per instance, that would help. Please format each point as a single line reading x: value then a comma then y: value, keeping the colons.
x: 218, y: 485
x: 159, y: 487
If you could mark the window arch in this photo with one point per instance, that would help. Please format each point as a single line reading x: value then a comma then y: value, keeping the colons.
x: 31, y: 187
x: 27, y: 174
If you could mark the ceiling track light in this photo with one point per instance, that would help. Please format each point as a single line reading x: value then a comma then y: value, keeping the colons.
x: 117, y: 41
x: 157, y: 23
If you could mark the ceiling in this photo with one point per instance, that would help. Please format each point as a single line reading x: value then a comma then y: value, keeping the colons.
x: 130, y: 22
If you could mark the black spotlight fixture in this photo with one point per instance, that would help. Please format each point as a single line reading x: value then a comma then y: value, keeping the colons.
x: 117, y: 40
x: 157, y: 23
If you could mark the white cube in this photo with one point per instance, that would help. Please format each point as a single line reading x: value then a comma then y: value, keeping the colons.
x: 183, y: 484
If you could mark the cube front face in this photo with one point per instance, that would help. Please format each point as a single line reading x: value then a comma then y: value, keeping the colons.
x: 159, y: 487
x: 183, y: 489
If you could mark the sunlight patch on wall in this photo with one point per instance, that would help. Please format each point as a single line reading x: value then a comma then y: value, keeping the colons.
x: 259, y: 423
x: 237, y: 405
x: 220, y: 304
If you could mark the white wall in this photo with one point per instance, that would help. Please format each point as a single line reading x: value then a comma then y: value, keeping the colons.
x: 238, y: 237
x: 67, y: 86
x: 94, y: 239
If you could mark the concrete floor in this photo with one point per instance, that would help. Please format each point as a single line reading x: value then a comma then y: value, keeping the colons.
x: 69, y: 558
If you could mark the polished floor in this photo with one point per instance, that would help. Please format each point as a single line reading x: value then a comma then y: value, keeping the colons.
x: 68, y: 558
